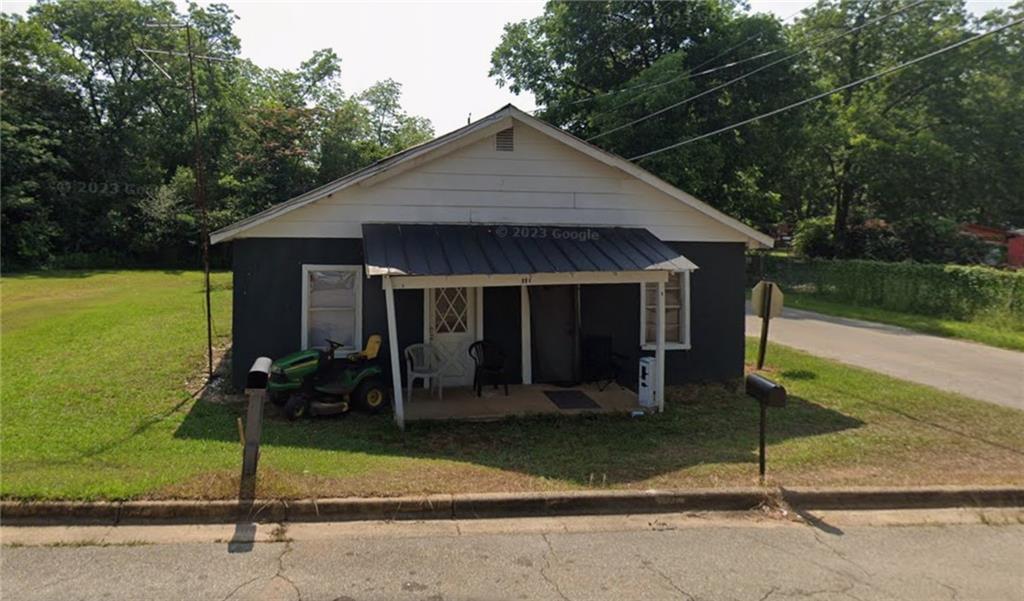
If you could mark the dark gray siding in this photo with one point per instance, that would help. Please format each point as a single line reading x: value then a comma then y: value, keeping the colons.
x: 268, y: 297
x: 267, y: 302
x: 716, y: 317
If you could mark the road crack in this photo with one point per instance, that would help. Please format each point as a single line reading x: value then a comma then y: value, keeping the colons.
x: 647, y: 565
x: 240, y: 587
x: 547, y: 566
x: 280, y: 569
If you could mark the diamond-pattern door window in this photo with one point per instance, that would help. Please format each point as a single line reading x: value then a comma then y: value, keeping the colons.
x: 451, y: 310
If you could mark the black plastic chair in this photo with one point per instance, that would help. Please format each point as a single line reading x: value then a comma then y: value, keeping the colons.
x: 600, y: 362
x: 490, y: 363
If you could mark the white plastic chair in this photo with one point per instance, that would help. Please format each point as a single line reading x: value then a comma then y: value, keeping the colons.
x: 425, y: 361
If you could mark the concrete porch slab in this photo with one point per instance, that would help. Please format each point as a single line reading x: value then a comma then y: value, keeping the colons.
x: 462, y: 404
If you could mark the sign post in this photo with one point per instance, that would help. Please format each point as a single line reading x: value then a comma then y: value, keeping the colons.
x: 766, y: 300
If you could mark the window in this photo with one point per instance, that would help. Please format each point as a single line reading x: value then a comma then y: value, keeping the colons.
x: 505, y: 140
x: 332, y: 299
x: 451, y: 310
x: 677, y: 312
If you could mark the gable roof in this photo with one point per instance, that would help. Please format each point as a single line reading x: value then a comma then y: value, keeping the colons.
x: 491, y: 124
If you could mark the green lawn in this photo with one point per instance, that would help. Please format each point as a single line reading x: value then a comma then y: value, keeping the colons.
x: 96, y: 369
x: 1008, y: 336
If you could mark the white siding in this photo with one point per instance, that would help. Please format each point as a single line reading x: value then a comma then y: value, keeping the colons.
x: 541, y: 182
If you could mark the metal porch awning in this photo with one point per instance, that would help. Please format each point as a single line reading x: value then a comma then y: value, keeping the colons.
x: 513, y: 250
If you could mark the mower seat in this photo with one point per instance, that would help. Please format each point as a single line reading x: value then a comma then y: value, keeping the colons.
x: 369, y: 353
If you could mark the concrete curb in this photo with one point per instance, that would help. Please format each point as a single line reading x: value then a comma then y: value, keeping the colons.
x: 933, y: 497
x: 497, y: 505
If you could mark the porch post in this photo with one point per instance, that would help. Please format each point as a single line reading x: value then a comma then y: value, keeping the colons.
x: 524, y: 320
x: 479, y: 312
x: 396, y: 367
x: 659, y: 352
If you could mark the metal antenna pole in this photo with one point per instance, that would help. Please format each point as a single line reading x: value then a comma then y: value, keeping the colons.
x: 200, y: 191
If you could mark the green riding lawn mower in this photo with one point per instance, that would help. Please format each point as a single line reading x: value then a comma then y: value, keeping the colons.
x: 315, y: 382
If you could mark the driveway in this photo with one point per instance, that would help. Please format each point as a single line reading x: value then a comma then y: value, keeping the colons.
x: 975, y: 370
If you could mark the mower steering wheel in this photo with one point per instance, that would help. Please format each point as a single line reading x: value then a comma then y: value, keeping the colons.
x: 333, y: 345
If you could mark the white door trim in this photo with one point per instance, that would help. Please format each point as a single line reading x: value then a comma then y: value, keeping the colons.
x: 474, y: 326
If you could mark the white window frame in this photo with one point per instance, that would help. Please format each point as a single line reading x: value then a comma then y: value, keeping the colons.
x: 358, y: 271
x: 684, y: 317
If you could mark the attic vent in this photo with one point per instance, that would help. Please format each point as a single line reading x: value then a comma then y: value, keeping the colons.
x: 504, y: 140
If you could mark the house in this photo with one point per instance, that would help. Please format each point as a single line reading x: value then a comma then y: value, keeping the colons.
x: 507, y: 229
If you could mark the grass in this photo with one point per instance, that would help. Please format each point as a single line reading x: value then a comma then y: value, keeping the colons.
x: 96, y: 369
x: 1008, y: 336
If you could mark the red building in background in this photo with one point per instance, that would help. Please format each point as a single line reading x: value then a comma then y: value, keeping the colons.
x: 1015, y: 249
x: 1012, y: 241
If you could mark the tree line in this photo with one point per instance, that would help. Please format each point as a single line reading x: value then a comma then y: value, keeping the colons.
x: 885, y: 170
x: 97, y: 145
x: 97, y: 165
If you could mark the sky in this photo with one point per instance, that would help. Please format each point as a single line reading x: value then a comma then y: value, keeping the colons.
x: 439, y: 51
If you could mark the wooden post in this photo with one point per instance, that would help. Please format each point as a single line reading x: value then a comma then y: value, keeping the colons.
x: 524, y: 318
x: 764, y: 418
x: 659, y: 351
x: 396, y: 368
x: 479, y: 310
x: 766, y: 313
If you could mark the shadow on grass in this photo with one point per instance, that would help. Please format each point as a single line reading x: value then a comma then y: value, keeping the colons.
x: 721, y: 428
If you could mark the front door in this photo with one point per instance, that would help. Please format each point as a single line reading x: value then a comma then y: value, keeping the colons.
x: 554, y: 321
x: 453, y: 329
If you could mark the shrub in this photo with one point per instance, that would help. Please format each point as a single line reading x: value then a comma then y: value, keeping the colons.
x: 876, y: 242
x: 813, y: 238
x: 938, y: 240
x: 953, y: 291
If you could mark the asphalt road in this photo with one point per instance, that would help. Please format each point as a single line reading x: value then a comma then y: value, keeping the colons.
x: 639, y: 558
x: 975, y: 370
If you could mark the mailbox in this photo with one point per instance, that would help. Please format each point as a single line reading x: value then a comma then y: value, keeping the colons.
x: 765, y: 391
x: 259, y: 373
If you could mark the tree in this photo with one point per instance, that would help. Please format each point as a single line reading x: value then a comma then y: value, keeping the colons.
x: 98, y: 143
x: 658, y: 55
x: 392, y: 128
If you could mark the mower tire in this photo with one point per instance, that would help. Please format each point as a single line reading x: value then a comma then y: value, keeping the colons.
x: 371, y: 396
x: 278, y: 398
x: 297, y: 406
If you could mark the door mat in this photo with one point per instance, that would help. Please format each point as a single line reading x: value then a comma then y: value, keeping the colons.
x: 571, y: 399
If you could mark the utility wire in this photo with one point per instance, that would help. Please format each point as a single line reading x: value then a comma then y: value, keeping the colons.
x: 690, y: 74
x: 634, y: 28
x: 847, y: 86
x: 684, y: 77
x: 755, y: 71
x: 687, y: 75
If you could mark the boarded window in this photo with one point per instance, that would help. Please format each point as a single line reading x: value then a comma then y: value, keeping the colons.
x: 505, y: 140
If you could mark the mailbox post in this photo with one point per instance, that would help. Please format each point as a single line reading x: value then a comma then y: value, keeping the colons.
x: 767, y: 394
x: 256, y: 390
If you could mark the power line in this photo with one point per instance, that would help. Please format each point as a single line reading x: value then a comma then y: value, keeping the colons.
x: 690, y: 74
x: 847, y: 86
x: 197, y: 157
x: 755, y: 71
x: 684, y: 77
